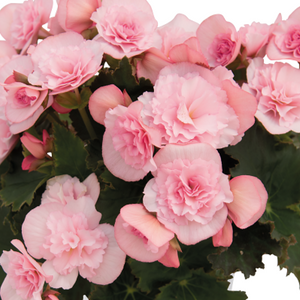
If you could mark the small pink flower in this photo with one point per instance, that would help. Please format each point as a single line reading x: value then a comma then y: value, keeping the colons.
x: 71, y: 240
x: 189, y: 192
x: 285, y: 41
x: 220, y: 42
x: 128, y: 143
x: 193, y: 104
x: 105, y: 97
x: 276, y: 89
x: 64, y: 62
x: 23, y: 102
x: 140, y: 235
x: 126, y: 28
x: 64, y: 188
x: 248, y: 205
x: 25, y: 277
x: 21, y: 22
x: 76, y: 15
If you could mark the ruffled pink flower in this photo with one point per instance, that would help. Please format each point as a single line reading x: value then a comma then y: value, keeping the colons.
x: 64, y: 188
x: 285, y: 41
x: 255, y: 38
x: 193, y: 104
x: 64, y: 62
x: 248, y: 205
x: 6, y: 52
x: 189, y: 192
x: 126, y: 28
x: 76, y: 15
x: 140, y: 235
x: 104, y: 98
x: 220, y: 42
x: 23, y: 102
x: 25, y: 277
x: 21, y: 22
x: 276, y: 89
x: 127, y: 148
x: 179, y: 44
x: 71, y: 240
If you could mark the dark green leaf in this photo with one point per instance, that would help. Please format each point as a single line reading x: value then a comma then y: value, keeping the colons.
x: 199, y: 286
x: 245, y: 253
x: 69, y: 153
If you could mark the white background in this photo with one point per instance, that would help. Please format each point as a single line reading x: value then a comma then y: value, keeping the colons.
x: 269, y: 283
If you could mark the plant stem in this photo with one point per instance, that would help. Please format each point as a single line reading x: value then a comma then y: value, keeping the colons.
x: 85, y: 118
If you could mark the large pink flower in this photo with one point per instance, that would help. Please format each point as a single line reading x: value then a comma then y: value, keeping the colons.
x: 23, y: 103
x: 189, y: 192
x: 128, y: 143
x: 126, y: 28
x: 25, y: 277
x: 220, y: 42
x: 21, y: 22
x: 277, y: 91
x: 64, y: 62
x: 71, y: 240
x: 285, y: 41
x: 193, y: 104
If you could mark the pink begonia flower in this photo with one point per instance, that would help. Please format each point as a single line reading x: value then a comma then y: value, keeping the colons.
x: 64, y: 62
x: 189, y: 192
x: 126, y: 28
x: 285, y: 42
x: 179, y: 44
x: 21, y: 22
x: 23, y: 103
x: 248, y: 205
x: 7, y: 139
x: 140, y: 235
x: 127, y: 148
x: 220, y: 42
x: 104, y: 98
x: 25, y: 277
x: 76, y: 15
x: 255, y: 38
x: 71, y: 240
x: 193, y: 104
x: 64, y: 188
x: 276, y: 89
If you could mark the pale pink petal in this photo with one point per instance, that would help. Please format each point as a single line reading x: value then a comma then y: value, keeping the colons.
x: 187, y: 151
x: 194, y: 232
x: 6, y: 49
x: 60, y: 281
x: 7, y: 292
x: 104, y: 98
x: 93, y: 186
x: 6, y: 19
x: 244, y: 105
x: 134, y: 246
x: 113, y: 259
x: 137, y: 216
x: 34, y: 227
x: 249, y: 200
x: 224, y: 236
x: 170, y: 259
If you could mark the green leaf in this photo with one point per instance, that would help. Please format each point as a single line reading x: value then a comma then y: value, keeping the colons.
x: 69, y: 153
x: 115, y: 193
x: 277, y: 164
x: 85, y: 95
x: 19, y: 187
x: 123, y: 288
x: 122, y: 76
x: 245, y: 253
x: 200, y: 286
x: 67, y: 100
